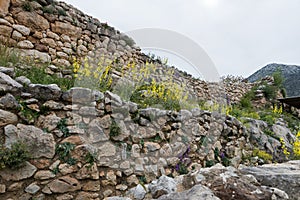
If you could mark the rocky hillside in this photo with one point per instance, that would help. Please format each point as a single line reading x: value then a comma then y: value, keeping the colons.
x: 290, y: 73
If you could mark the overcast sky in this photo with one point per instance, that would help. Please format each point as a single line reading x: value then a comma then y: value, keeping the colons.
x: 240, y: 36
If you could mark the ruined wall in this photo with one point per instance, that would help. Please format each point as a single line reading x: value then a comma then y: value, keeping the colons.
x: 129, y: 143
x: 56, y: 32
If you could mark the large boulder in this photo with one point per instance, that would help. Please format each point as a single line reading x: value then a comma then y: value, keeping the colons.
x: 195, y: 193
x: 64, y: 184
x: 45, y: 92
x: 7, y: 118
x: 230, y: 183
x: 36, y: 55
x: 65, y: 28
x: 40, y: 144
x: 33, y: 21
x: 24, y: 172
x: 5, y: 30
x: 7, y: 84
x: 164, y: 185
x: 285, y: 176
x: 9, y: 102
x: 78, y: 95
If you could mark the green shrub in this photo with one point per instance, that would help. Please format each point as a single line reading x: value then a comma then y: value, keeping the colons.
x: 269, y: 132
x: 61, y: 12
x: 91, y: 158
x: 62, y: 126
x: 262, y: 154
x: 26, y: 6
x: 268, y: 117
x: 283, y: 92
x: 38, y: 75
x: 240, y: 112
x: 225, y: 161
x: 49, y: 9
x: 270, y: 92
x: 246, y: 102
x: 63, y: 151
x: 292, y: 122
x: 278, y: 79
x: 163, y: 100
x: 114, y: 130
x: 182, y: 168
x: 142, y: 180
x: 14, y: 157
x: 209, y: 163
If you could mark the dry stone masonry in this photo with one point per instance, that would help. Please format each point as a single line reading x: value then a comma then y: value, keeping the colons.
x: 85, y: 144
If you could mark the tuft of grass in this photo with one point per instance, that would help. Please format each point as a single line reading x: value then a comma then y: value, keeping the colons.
x: 269, y: 132
x: 14, y: 157
x: 49, y: 9
x: 61, y: 12
x: 91, y: 158
x: 268, y: 117
x: 142, y: 180
x: 8, y: 56
x: 209, y: 163
x: 26, y: 6
x: 115, y: 130
x: 62, y: 126
x: 38, y: 75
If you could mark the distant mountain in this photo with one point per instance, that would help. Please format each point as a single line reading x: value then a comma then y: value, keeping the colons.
x: 290, y: 73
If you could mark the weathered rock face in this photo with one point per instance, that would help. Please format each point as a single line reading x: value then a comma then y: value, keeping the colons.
x: 41, y: 144
x: 217, y: 182
x: 7, y: 84
x: 25, y: 172
x: 195, y: 193
x: 285, y: 176
x: 33, y: 21
x: 9, y: 102
x: 7, y: 118
x: 46, y: 92
x: 66, y: 29
x: 164, y: 185
x: 227, y: 183
x: 64, y: 184
x: 4, y: 5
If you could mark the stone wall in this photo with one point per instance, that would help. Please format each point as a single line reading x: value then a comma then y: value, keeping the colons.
x: 143, y: 143
x: 56, y: 31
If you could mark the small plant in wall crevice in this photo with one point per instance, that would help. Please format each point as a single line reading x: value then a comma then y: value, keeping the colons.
x: 14, y: 157
x: 63, y: 151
